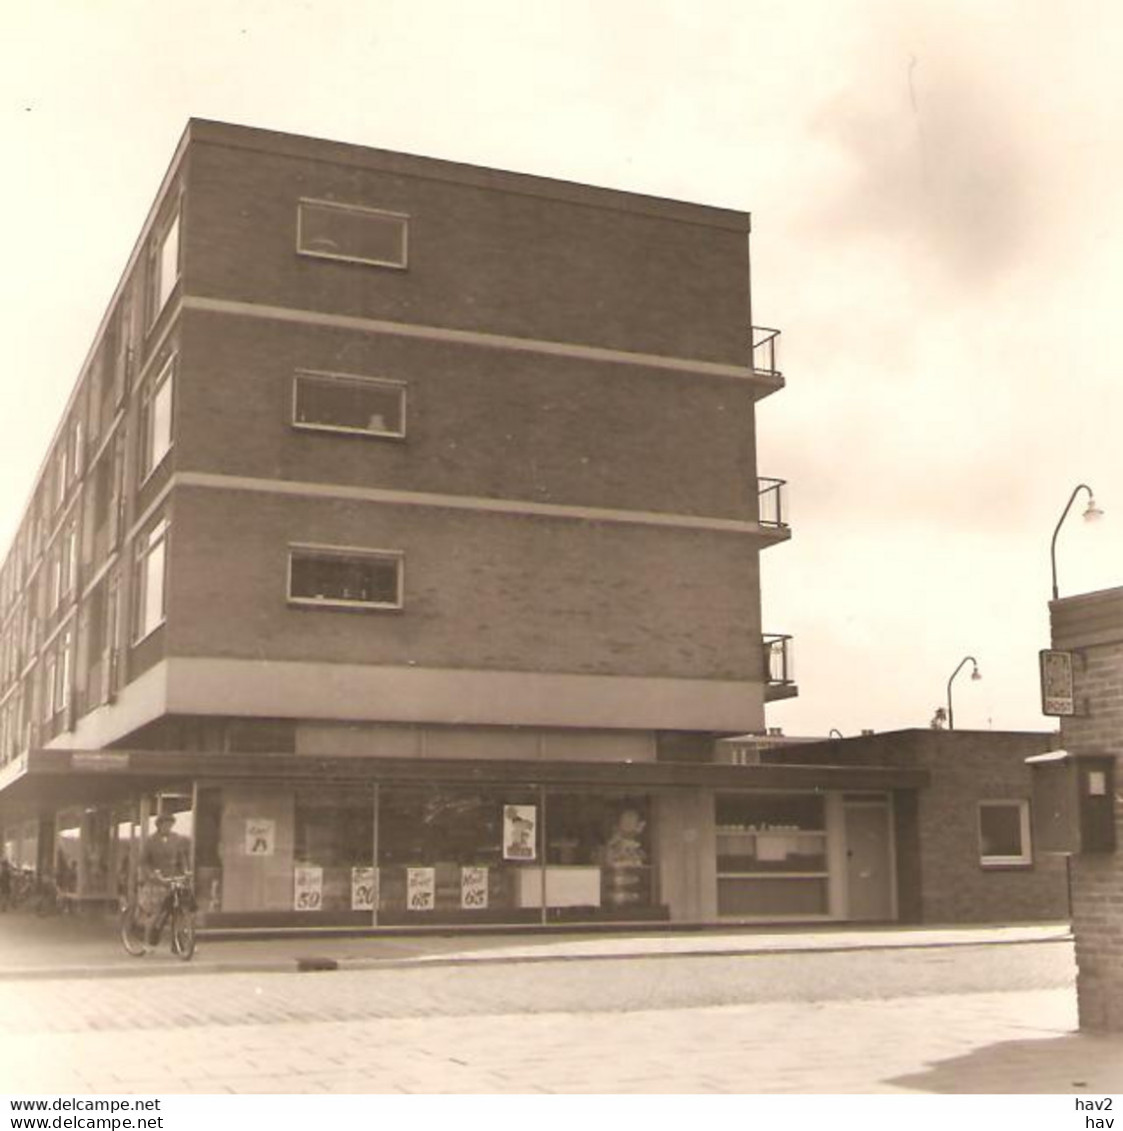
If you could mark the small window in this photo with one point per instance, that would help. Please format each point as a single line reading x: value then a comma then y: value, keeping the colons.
x: 336, y: 402
x: 165, y: 266
x: 158, y: 420
x: 352, y: 233
x: 1004, y: 837
x: 345, y: 578
x: 151, y: 570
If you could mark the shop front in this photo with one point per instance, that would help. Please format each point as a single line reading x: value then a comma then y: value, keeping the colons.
x: 285, y: 842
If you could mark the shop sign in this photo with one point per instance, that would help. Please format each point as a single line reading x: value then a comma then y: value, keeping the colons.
x: 519, y: 829
x: 364, y: 889
x: 1058, y: 696
x: 473, y: 889
x: 308, y: 887
x: 421, y: 889
x: 99, y: 760
x: 261, y: 836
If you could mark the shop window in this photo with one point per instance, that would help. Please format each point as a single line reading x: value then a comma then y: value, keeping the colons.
x: 151, y: 571
x: 156, y: 423
x: 334, y: 402
x: 345, y: 578
x: 771, y: 855
x: 1004, y: 836
x: 352, y: 233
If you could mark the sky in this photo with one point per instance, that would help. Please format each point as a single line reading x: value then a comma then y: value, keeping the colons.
x: 936, y: 231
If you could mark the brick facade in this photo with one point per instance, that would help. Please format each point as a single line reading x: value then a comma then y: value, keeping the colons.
x: 1091, y: 626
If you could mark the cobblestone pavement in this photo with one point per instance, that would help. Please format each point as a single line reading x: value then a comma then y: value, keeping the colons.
x: 992, y: 1019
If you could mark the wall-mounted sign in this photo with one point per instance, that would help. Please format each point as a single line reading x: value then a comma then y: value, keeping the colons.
x: 1057, y: 694
x: 519, y: 827
x: 99, y: 760
x: 364, y: 889
x: 473, y: 889
x: 261, y: 836
x: 308, y: 887
x: 421, y: 889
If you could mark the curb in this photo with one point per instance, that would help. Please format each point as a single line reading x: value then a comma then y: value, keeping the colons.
x: 324, y: 964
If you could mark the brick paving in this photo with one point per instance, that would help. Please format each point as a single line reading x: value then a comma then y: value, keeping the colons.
x: 997, y: 1018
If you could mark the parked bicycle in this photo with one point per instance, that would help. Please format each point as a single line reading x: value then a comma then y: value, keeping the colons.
x: 141, y: 930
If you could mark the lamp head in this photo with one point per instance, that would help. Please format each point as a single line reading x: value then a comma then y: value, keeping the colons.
x: 1092, y: 513
x: 975, y: 673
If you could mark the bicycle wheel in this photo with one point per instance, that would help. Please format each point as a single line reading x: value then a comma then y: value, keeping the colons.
x: 132, y: 931
x: 183, y: 933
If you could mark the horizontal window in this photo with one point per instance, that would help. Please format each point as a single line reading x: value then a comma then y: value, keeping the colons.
x: 336, y: 402
x: 1004, y: 837
x: 353, y: 233
x: 345, y: 578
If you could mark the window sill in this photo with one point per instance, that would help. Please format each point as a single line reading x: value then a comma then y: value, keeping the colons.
x: 342, y: 605
x: 339, y: 430
x: 1005, y: 865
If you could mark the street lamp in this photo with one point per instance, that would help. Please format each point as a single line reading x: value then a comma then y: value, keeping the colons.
x: 834, y: 732
x: 974, y: 675
x: 1091, y: 513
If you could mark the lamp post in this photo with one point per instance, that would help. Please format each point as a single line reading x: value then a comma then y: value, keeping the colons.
x: 1091, y: 513
x: 974, y: 675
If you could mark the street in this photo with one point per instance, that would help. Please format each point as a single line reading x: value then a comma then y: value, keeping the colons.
x: 964, y: 1018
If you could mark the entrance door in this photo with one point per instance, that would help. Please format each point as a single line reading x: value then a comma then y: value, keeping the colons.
x: 869, y: 867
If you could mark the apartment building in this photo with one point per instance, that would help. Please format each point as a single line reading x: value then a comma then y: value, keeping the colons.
x: 401, y: 536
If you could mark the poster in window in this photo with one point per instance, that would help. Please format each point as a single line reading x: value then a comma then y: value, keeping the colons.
x: 1057, y: 694
x: 308, y: 887
x: 261, y: 836
x: 364, y: 889
x: 519, y: 827
x: 421, y: 889
x: 473, y: 889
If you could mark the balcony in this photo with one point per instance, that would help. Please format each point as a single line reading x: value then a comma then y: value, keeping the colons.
x: 766, y: 349
x: 772, y: 502
x: 779, y: 671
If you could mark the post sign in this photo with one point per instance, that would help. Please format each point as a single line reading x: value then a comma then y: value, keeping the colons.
x: 1057, y: 694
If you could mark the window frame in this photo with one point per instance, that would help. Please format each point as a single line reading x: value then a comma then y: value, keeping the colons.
x: 338, y: 206
x: 164, y: 379
x: 147, y: 544
x: 345, y: 552
x: 160, y: 290
x: 1025, y: 859
x: 350, y: 379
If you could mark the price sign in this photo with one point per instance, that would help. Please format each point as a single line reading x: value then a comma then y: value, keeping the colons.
x: 261, y: 836
x: 308, y: 887
x: 473, y: 889
x: 364, y: 889
x: 421, y: 889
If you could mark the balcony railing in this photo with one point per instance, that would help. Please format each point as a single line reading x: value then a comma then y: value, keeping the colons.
x: 772, y: 502
x: 766, y: 350
x: 779, y: 670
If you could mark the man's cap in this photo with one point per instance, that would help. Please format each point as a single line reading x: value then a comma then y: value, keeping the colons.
x: 162, y: 817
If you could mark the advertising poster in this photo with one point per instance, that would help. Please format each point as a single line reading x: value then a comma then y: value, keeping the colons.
x: 308, y: 887
x: 519, y: 829
x: 364, y: 889
x: 261, y: 836
x: 421, y: 889
x: 1058, y: 697
x: 473, y: 889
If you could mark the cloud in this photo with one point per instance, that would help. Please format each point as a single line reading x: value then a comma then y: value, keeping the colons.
x: 932, y: 160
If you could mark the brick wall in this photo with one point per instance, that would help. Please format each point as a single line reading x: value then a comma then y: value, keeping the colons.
x: 481, y: 258
x: 1092, y: 627
x: 479, y: 422
x: 481, y: 590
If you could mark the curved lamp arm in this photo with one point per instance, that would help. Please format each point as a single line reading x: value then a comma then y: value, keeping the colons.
x: 1060, y: 522
x: 974, y: 675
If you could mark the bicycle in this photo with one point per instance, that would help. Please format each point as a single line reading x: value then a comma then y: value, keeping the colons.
x: 177, y: 910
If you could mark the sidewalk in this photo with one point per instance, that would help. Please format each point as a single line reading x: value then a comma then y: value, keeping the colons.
x: 76, y: 948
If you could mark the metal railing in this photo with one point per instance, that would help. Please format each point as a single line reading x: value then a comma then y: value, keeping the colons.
x: 766, y: 345
x: 779, y: 670
x: 772, y: 502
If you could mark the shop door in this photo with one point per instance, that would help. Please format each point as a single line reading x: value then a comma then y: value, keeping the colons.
x: 869, y: 870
